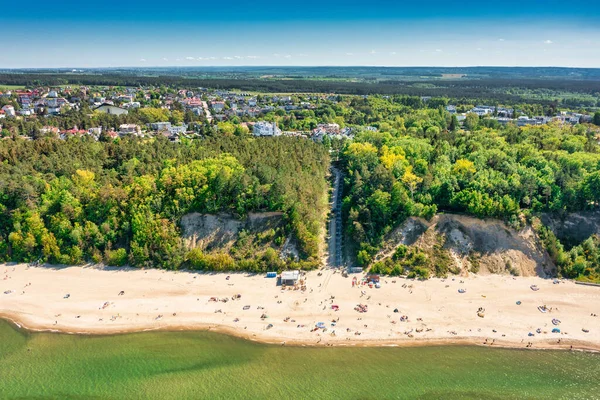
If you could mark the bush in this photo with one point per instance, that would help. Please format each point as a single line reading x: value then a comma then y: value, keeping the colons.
x: 419, y: 272
x: 116, y: 258
x: 474, y: 260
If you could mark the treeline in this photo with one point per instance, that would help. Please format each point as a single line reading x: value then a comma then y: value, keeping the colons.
x: 121, y: 202
x: 471, y: 89
x: 581, y: 262
x: 425, y: 164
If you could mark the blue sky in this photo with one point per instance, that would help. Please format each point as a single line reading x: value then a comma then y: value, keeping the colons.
x: 70, y: 33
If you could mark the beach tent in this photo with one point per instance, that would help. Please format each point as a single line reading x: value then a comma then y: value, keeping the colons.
x: 271, y: 274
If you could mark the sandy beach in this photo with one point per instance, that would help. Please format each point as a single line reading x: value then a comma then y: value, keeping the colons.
x: 95, y: 300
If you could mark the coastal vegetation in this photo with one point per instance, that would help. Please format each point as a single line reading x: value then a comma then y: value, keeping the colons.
x: 421, y: 164
x: 120, y: 202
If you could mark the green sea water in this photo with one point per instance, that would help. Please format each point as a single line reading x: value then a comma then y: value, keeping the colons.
x: 204, y: 365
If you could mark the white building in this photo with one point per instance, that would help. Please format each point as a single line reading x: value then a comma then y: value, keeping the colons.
x: 9, y: 111
x: 266, y: 129
x: 111, y: 109
x: 483, y: 110
x: 290, y: 278
x: 217, y: 105
x: 133, y: 104
x: 178, y: 130
x: 129, y: 129
x: 97, y: 131
x: 160, y: 126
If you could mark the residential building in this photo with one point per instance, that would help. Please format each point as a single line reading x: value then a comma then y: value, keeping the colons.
x: 160, y: 126
x: 97, y: 131
x: 129, y: 129
x: 9, y: 110
x: 483, y: 110
x: 25, y: 112
x: 50, y: 130
x: 178, y: 130
x: 329, y: 128
x: 217, y: 105
x: 111, y: 109
x: 266, y: 129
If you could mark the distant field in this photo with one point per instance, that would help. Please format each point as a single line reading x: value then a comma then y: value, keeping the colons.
x: 11, y: 87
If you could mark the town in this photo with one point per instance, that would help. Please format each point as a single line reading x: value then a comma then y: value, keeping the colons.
x: 187, y: 113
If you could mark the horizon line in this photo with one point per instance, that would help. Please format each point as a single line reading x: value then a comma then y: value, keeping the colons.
x: 301, y: 66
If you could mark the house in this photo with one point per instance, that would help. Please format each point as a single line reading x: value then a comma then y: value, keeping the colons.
x: 266, y: 129
x: 329, y: 128
x: 178, y: 130
x: 50, y: 130
x: 133, y: 104
x: 129, y: 129
x: 482, y: 110
x: 25, y: 112
x: 72, y: 133
x: 125, y: 98
x: 290, y: 278
x: 9, y: 110
x: 111, y: 109
x: 95, y: 131
x: 112, y: 134
x: 525, y: 120
x: 217, y: 105
x: 160, y: 126
x: 192, y: 103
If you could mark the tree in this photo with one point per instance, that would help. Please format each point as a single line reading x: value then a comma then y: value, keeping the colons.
x: 453, y: 123
x: 411, y: 181
x: 591, y: 187
x: 471, y: 121
x: 597, y: 118
x: 463, y: 167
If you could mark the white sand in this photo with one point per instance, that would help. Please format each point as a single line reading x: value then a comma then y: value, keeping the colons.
x: 182, y: 299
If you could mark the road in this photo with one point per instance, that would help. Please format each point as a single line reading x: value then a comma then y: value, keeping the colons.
x: 335, y: 223
x: 209, y: 117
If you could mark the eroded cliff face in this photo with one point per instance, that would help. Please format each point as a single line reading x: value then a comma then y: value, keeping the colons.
x: 474, y: 245
x: 573, y: 228
x: 221, y: 231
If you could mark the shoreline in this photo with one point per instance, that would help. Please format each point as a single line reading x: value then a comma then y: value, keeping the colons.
x: 588, y: 347
x: 159, y: 300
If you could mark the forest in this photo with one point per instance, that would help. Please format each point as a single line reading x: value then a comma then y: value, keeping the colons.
x: 120, y: 202
x: 423, y: 164
x: 484, y: 89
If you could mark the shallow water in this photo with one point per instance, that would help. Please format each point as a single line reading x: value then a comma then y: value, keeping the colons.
x: 179, y: 365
